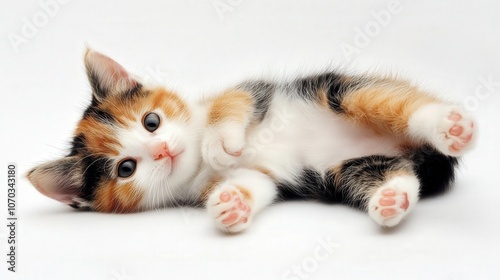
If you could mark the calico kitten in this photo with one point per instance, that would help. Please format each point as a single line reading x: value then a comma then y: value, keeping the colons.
x: 378, y: 144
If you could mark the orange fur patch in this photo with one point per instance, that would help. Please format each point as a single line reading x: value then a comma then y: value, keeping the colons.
x: 129, y: 110
x: 265, y: 171
x: 100, y: 138
x: 117, y: 198
x: 385, y: 107
x: 234, y: 105
x: 171, y: 104
x: 213, y: 183
x: 323, y: 98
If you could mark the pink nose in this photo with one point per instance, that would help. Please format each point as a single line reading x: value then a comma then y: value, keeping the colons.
x: 161, y: 151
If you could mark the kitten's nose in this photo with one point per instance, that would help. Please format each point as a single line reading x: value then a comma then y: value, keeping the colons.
x: 160, y: 151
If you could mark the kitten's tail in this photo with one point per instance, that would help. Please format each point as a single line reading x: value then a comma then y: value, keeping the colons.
x: 435, y: 171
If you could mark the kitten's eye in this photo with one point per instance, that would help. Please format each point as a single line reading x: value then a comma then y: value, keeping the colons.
x: 126, y: 168
x: 151, y: 122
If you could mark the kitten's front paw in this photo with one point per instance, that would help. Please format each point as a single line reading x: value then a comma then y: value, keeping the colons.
x: 448, y: 127
x: 230, y: 209
x: 221, y: 148
x: 394, y: 200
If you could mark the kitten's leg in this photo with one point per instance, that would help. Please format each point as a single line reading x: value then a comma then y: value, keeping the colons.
x: 228, y: 117
x: 394, y: 107
x: 385, y: 187
x: 234, y: 201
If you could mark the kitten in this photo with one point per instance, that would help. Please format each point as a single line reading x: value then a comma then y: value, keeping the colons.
x: 377, y: 144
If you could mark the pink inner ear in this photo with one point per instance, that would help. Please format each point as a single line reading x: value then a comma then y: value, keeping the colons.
x: 52, y: 187
x: 65, y: 198
x: 47, y: 189
x: 111, y: 74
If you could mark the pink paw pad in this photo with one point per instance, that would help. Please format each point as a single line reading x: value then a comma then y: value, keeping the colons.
x: 461, y: 132
x: 455, y: 117
x: 388, y: 199
x: 231, y: 218
x: 236, y: 210
x: 225, y: 197
x: 236, y: 153
x: 388, y: 212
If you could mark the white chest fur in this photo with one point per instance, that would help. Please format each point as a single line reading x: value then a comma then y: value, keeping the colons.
x: 297, y: 135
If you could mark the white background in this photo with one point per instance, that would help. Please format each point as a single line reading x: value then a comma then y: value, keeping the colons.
x: 446, y: 46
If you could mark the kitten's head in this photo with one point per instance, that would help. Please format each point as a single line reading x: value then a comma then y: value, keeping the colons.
x: 132, y: 149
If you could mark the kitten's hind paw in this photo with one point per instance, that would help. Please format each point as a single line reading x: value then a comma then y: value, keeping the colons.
x: 459, y: 135
x: 394, y: 200
x: 448, y: 127
x: 230, y: 209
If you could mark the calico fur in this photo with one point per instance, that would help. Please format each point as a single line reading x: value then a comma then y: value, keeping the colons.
x: 378, y: 144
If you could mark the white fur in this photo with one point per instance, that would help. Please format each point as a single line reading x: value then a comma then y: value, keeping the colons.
x: 297, y: 134
x: 400, y: 184
x: 431, y: 123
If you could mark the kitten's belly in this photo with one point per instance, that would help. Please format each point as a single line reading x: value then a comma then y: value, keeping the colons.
x: 295, y: 136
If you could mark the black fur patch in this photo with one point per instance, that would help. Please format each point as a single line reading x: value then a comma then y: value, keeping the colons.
x: 311, y: 185
x: 262, y: 93
x: 356, y: 177
x: 133, y: 92
x: 98, y: 114
x: 435, y: 171
x: 96, y: 169
x: 353, y: 175
x: 334, y: 84
x: 97, y: 90
x: 77, y: 145
x: 74, y: 205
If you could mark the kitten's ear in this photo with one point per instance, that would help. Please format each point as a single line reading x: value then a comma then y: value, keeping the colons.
x: 106, y: 76
x: 59, y: 179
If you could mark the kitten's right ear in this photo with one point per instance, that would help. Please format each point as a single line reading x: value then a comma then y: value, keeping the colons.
x: 106, y: 76
x: 60, y: 180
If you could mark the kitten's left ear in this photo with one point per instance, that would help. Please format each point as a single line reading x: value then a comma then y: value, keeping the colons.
x: 60, y: 180
x: 106, y: 76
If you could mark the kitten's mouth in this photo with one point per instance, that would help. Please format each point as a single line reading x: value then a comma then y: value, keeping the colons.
x: 173, y: 158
